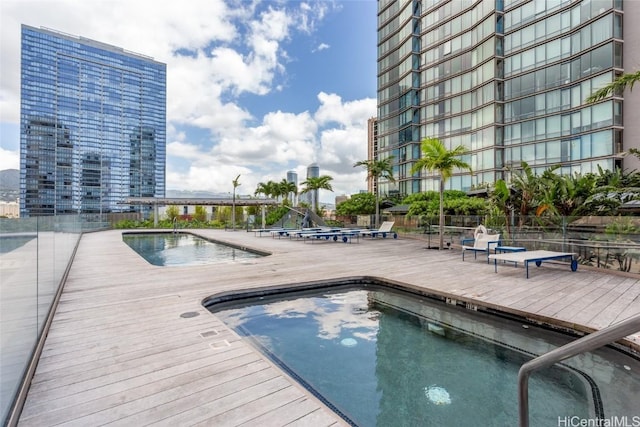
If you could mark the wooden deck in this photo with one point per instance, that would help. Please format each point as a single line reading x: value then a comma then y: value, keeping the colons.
x: 120, y: 352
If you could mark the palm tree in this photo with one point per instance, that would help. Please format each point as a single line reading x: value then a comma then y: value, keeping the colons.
x: 236, y: 184
x: 377, y: 169
x: 616, y: 86
x: 316, y: 183
x: 285, y: 188
x: 437, y: 158
x: 265, y: 188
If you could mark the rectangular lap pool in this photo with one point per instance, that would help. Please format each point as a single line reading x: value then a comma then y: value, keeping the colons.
x: 182, y: 249
x: 382, y: 357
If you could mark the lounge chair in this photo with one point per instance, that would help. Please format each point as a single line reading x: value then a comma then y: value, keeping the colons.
x: 534, y: 256
x: 482, y: 242
x: 383, y: 230
x: 345, y: 235
x: 258, y: 231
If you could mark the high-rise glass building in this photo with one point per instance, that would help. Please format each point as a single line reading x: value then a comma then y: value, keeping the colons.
x: 292, y: 177
x: 372, y: 151
x: 507, y: 79
x: 93, y: 125
x: 313, y: 171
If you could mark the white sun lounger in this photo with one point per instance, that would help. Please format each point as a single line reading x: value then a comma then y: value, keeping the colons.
x: 482, y: 242
x: 533, y: 256
x: 383, y: 230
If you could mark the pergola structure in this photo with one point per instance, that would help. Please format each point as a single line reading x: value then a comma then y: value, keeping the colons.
x: 156, y: 202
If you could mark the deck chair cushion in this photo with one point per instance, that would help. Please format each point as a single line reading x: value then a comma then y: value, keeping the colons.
x: 482, y: 242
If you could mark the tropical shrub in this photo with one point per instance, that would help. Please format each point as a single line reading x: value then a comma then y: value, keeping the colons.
x: 172, y: 212
x: 358, y: 204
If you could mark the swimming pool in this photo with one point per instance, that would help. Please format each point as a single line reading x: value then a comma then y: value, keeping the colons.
x: 381, y: 357
x: 10, y: 243
x: 182, y: 249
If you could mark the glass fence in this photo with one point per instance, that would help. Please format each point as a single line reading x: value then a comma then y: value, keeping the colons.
x: 607, y: 242
x: 36, y: 252
x: 34, y: 255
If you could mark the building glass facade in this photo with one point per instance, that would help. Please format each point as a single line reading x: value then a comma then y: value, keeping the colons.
x: 372, y: 151
x: 313, y: 171
x: 506, y: 79
x: 93, y: 126
x: 292, y: 177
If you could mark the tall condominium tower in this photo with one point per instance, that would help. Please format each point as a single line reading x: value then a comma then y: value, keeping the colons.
x: 292, y: 177
x: 313, y: 171
x: 507, y: 79
x: 93, y: 125
x: 372, y: 151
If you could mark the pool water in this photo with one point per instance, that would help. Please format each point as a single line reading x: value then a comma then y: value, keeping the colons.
x: 11, y: 243
x: 181, y: 249
x: 381, y: 357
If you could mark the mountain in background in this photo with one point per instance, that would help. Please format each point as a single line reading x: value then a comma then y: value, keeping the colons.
x: 9, y: 185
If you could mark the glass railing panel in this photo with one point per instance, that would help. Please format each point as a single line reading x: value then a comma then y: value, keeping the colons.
x: 34, y: 255
x: 18, y: 303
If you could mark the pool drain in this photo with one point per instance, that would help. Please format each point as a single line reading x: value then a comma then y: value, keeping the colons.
x: 437, y: 395
x: 349, y: 342
x: 189, y: 314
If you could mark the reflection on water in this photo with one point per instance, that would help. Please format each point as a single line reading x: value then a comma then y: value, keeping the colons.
x: 178, y: 249
x: 388, y: 359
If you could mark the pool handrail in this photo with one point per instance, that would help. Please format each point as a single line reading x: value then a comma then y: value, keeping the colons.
x: 589, y: 342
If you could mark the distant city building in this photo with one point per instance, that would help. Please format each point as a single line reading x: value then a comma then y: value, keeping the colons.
x: 313, y: 171
x: 507, y: 80
x: 372, y: 150
x: 292, y: 177
x: 9, y: 209
x: 93, y: 125
x: 340, y: 199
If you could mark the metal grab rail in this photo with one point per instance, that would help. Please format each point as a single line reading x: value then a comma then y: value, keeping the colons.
x: 587, y: 343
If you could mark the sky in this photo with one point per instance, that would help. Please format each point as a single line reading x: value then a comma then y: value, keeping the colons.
x: 254, y: 88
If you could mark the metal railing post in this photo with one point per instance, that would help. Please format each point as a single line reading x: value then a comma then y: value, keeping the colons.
x: 587, y: 343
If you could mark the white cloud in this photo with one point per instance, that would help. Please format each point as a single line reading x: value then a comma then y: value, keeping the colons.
x: 280, y: 138
x: 217, y: 179
x: 341, y: 148
x: 9, y: 159
x: 344, y: 140
x: 142, y: 26
x: 217, y: 55
x: 184, y: 150
x: 333, y: 110
x: 284, y: 141
x: 321, y: 46
x: 310, y: 14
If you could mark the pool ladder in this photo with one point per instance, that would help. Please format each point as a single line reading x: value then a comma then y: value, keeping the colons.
x: 590, y: 342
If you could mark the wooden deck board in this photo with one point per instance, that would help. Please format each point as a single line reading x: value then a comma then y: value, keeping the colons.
x: 273, y: 401
x: 200, y: 406
x: 118, y: 382
x: 119, y: 351
x: 289, y: 413
x: 604, y: 297
x: 119, y: 405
